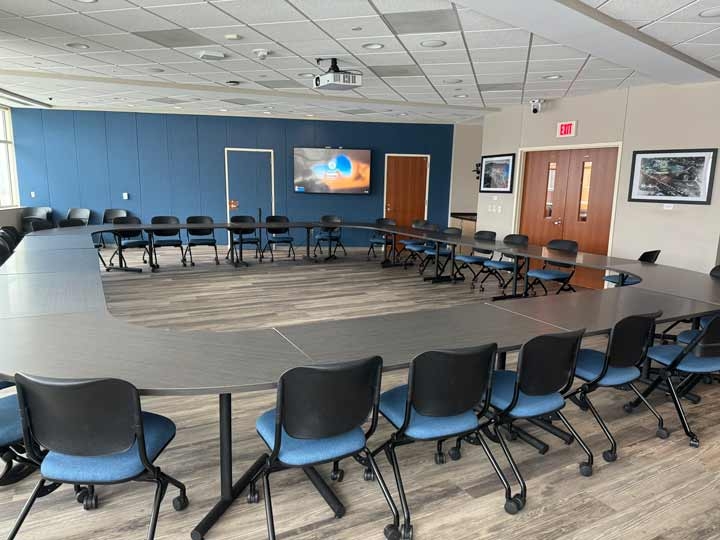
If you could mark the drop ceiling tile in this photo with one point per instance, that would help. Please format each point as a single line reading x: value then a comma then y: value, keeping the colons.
x: 244, y: 34
x: 176, y: 37
x: 472, y: 20
x: 538, y: 77
x: 454, y: 89
x: 218, y: 76
x: 281, y: 83
x: 714, y: 61
x: 76, y: 23
x: 36, y: 63
x: 239, y: 65
x: 440, y: 57
x: 322, y: 9
x: 448, y: 84
x: 195, y: 67
x: 291, y: 31
x: 599, y: 63
x: 386, y: 59
x: 600, y: 84
x: 605, y: 74
x: 700, y: 51
x: 422, y: 22
x: 712, y: 38
x: 162, y: 56
x: 692, y: 12
x: 497, y: 38
x: 360, y: 27
x: 112, y: 71
x: 262, y: 75
x: 448, y: 69
x: 637, y: 80
x: 182, y: 78
x: 555, y: 65
x: 118, y: 58
x: 134, y: 20
x: 677, y: 32
x: 413, y: 42
x: 411, y: 71
x: 256, y: 11
x: 401, y: 82
x: 395, y: 6
x: 78, y: 60
x: 125, y: 42
x: 7, y: 53
x: 563, y: 84
x: 27, y: 47
x: 634, y: 9
x: 555, y: 52
x: 501, y: 54
x: 30, y: 8
x: 74, y: 5
x: 487, y: 68
x: 318, y: 47
x: 355, y: 45
x: 297, y: 63
x: 195, y: 15
x: 62, y: 44
x: 25, y: 28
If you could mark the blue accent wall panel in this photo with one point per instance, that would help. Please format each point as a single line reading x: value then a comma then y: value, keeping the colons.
x: 175, y: 164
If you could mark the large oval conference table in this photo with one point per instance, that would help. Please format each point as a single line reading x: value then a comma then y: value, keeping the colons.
x: 56, y: 324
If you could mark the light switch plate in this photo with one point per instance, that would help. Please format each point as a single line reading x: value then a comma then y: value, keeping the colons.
x: 125, y: 195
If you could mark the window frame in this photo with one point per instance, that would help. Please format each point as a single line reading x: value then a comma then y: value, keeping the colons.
x: 10, y: 142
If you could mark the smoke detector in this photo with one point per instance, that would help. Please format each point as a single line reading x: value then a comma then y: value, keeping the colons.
x: 261, y: 54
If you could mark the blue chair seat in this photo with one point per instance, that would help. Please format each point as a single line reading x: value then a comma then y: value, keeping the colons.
x: 202, y: 242
x: 170, y: 242
x: 687, y: 336
x: 280, y: 239
x: 629, y: 280
x: 666, y: 354
x: 444, y: 252
x: 416, y: 248
x: 590, y: 364
x: 133, y: 243
x: 471, y: 259
x: 247, y: 239
x: 298, y: 452
x: 704, y: 321
x: 392, y: 406
x: 548, y: 274
x: 503, y: 388
x: 159, y: 431
x: 10, y: 427
x: 380, y: 240
x: 500, y: 265
x: 411, y: 241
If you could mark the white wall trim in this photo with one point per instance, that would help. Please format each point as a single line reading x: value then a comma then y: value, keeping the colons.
x: 227, y: 175
x: 452, y: 174
x: 427, y: 181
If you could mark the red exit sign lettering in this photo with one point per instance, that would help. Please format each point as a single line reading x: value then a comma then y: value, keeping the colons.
x: 566, y: 129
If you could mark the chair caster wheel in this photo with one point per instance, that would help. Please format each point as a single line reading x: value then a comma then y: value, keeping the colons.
x: 694, y: 442
x: 81, y: 494
x: 586, y: 469
x: 184, y: 265
x: 511, y: 436
x: 407, y: 532
x: 439, y: 458
x: 609, y: 456
x: 192, y: 264
x: 180, y: 502
x: 368, y: 475
x: 628, y: 408
x: 90, y: 502
x: 455, y: 453
x: 514, y: 505
x: 391, y: 532
x: 337, y: 476
x: 662, y: 433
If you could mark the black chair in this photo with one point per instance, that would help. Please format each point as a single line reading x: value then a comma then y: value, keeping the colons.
x: 71, y: 222
x: 332, y: 232
x: 109, y: 216
x: 617, y: 367
x: 200, y: 237
x: 9, y: 239
x: 477, y: 257
x: 381, y: 239
x: 556, y: 271
x: 244, y: 236
x: 82, y: 214
x: 128, y: 239
x: 166, y: 237
x: 13, y: 232
x: 40, y: 225
x: 5, y: 251
x: 620, y: 280
x: 506, y: 262
x: 35, y: 213
x: 318, y: 419
x: 278, y: 236
x: 84, y: 443
x: 440, y: 253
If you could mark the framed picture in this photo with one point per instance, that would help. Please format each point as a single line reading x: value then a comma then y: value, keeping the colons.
x: 496, y: 173
x: 673, y: 176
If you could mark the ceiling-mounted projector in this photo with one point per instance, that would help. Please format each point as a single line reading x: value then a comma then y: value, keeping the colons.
x: 336, y: 78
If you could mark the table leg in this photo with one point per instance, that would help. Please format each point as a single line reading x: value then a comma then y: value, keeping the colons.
x: 438, y: 278
x: 151, y: 252
x: 392, y: 258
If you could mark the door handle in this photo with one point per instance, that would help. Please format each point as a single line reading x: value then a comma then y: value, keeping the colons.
x: 232, y: 204
x: 388, y: 208
x: 557, y: 222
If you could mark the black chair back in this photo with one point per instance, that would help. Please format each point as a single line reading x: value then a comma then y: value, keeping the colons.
x: 71, y: 222
x: 8, y: 238
x: 5, y: 251
x: 323, y: 401
x: 385, y: 222
x: 715, y: 272
x: 277, y: 219
x: 420, y: 224
x: 332, y: 221
x: 13, y: 232
x: 111, y: 214
x: 546, y: 363
x: 243, y: 219
x: 91, y: 417
x: 40, y: 225
x: 79, y: 213
x: 520, y: 240
x: 709, y: 344
x: 569, y: 247
x: 128, y: 220
x: 484, y: 236
x: 447, y: 383
x: 201, y: 220
x: 41, y: 212
x: 649, y: 256
x: 165, y: 220
x: 630, y: 339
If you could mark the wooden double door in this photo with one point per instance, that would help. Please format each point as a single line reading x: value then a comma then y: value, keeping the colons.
x: 568, y: 194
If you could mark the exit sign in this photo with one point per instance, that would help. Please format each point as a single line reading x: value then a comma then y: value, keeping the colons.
x: 566, y: 129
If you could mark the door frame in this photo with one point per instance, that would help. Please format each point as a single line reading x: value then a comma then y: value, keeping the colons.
x: 427, y: 179
x: 227, y: 176
x: 520, y: 175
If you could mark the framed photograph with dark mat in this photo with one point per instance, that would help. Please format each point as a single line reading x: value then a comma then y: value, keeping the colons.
x: 496, y: 173
x: 673, y: 176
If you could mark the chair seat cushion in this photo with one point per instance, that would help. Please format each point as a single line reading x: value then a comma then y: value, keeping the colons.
x: 380, y: 240
x: 500, y: 265
x: 590, y: 364
x: 133, y: 243
x: 548, y: 274
x: 298, y: 452
x: 392, y: 406
x: 174, y: 242
x: 503, y: 388
x: 416, y: 248
x: 410, y: 241
x: 110, y: 468
x: 471, y: 259
x: 687, y: 336
x: 629, y: 280
x: 444, y: 252
x: 247, y: 240
x: 327, y: 236
x: 281, y: 239
x: 666, y: 354
x: 10, y: 427
x: 202, y: 242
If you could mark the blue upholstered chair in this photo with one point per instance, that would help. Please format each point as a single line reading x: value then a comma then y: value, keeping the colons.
x: 128, y: 239
x: 278, y: 236
x: 167, y: 237
x: 420, y: 224
x: 330, y: 233
x: 617, y: 367
x: 701, y: 356
x: 537, y: 389
x: 79, y: 213
x: 555, y: 271
x: 87, y: 444
x: 382, y: 240
x: 477, y: 258
x: 200, y: 237
x: 506, y: 262
x: 441, y: 253
x: 16, y: 466
x: 620, y: 280
x: 698, y: 324
x: 319, y: 418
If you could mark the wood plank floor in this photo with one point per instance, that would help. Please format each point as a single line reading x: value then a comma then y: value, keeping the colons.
x: 657, y: 490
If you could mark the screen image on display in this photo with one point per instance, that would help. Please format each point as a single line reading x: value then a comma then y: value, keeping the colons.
x: 329, y: 170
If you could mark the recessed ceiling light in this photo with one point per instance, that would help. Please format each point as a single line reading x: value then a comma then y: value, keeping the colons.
x: 223, y: 110
x: 373, y: 46
x: 356, y: 28
x: 130, y: 105
x: 460, y: 95
x: 233, y: 83
x: 452, y: 81
x: 268, y: 107
x: 433, y: 43
x: 710, y: 13
x: 233, y: 37
x: 403, y: 114
x: 552, y: 77
x: 77, y: 45
x: 309, y: 115
x: 306, y: 75
x: 267, y: 112
x: 177, y: 107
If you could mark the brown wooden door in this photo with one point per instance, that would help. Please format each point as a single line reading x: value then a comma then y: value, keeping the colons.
x: 405, y: 188
x: 579, y: 205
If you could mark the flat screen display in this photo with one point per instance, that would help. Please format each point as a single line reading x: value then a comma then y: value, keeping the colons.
x: 333, y: 171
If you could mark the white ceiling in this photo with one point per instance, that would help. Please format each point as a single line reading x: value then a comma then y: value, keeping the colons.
x: 139, y: 52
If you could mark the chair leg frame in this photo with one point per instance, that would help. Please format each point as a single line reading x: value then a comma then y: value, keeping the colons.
x: 585, y: 466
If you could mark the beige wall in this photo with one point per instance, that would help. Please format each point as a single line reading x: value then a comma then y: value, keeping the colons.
x: 11, y: 216
x: 467, y: 149
x: 641, y: 118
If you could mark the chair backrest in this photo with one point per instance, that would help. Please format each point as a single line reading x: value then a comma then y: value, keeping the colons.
x: 630, y: 339
x: 516, y: 240
x: 91, y: 417
x: 715, y: 272
x: 42, y: 212
x: 420, y: 223
x: 569, y: 247
x: 165, y: 220
x: 323, y: 401
x: 9, y: 239
x: 13, y: 232
x: 546, y: 363
x: 203, y: 220
x: 453, y: 231
x: 5, y: 251
x: 277, y: 219
x: 484, y: 236
x: 111, y: 213
x: 79, y: 213
x: 37, y: 224
x: 709, y: 344
x: 649, y: 256
x: 385, y: 222
x: 71, y: 222
x: 128, y: 220
x: 243, y: 219
x: 447, y: 383
x: 332, y: 221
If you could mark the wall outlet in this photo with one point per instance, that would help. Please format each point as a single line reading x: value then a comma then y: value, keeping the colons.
x: 32, y: 194
x: 125, y: 195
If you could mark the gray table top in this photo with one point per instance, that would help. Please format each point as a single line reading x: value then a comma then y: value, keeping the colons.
x: 41, y: 261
